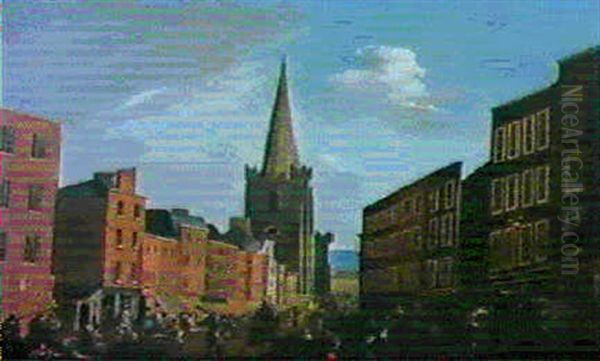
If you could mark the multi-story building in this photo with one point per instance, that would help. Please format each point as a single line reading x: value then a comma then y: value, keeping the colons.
x: 409, y: 239
x: 174, y: 255
x: 97, y: 255
x: 541, y: 187
x: 279, y: 197
x: 29, y: 174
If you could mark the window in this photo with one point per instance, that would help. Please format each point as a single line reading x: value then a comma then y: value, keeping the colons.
x: 506, y: 248
x: 445, y: 272
x: 449, y: 194
x: 514, y: 140
x: 443, y: 230
x: 7, y: 139
x: 137, y: 211
x: 432, y: 272
x: 39, y: 147
x: 418, y: 204
x: 512, y: 192
x: 497, y: 196
x: 418, y: 237
x: 542, y: 235
x: 433, y: 233
x: 450, y: 229
x: 499, y: 141
x: 120, y: 207
x: 119, y: 238
x: 434, y: 200
x: 36, y: 196
x: 3, y: 243
x: 529, y: 134
x: 514, y: 244
x: 5, y: 194
x: 118, y: 271
x: 134, y: 240
x: 542, y: 129
x: 526, y: 243
x: 528, y: 187
x: 31, y: 252
x: 494, y: 253
x: 543, y: 184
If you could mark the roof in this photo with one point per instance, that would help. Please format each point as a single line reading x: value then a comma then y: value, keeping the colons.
x: 182, y: 217
x: 452, y: 167
x: 91, y: 188
x: 280, y: 150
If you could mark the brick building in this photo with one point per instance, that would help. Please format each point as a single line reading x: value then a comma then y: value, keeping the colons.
x: 174, y: 253
x: 409, y: 239
x: 97, y: 255
x: 29, y: 172
x: 540, y: 214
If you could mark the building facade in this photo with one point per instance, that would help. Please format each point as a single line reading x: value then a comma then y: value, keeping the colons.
x: 29, y: 172
x: 279, y: 197
x: 97, y: 258
x: 541, y: 187
x: 409, y: 240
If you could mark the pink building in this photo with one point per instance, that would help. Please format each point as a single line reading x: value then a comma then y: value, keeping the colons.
x: 29, y: 172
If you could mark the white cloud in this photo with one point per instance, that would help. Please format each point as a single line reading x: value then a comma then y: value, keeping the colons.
x: 142, y: 98
x: 388, y: 72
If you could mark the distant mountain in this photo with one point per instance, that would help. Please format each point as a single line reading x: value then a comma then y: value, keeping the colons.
x: 343, y: 260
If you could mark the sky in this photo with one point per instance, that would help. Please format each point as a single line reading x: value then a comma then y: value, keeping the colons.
x: 382, y: 92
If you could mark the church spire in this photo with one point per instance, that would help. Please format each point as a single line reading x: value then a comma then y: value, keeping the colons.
x: 280, y: 150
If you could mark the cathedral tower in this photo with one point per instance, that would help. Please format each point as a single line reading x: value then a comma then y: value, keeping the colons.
x: 279, y: 197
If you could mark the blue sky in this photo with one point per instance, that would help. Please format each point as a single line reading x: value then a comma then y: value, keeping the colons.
x: 383, y: 92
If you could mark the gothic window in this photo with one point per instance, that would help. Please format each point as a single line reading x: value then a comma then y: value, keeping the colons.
x: 434, y: 200
x: 118, y: 270
x: 137, y: 211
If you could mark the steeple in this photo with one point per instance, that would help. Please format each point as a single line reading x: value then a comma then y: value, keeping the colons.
x: 280, y: 150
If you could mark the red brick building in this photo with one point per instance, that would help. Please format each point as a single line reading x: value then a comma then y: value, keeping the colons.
x: 99, y: 230
x: 29, y: 171
x: 410, y: 238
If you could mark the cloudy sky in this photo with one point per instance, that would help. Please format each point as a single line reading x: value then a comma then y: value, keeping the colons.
x: 383, y: 93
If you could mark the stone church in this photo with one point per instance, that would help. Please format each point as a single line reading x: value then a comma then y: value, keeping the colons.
x: 279, y: 196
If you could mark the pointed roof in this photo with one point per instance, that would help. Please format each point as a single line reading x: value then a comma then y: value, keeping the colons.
x: 280, y: 151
